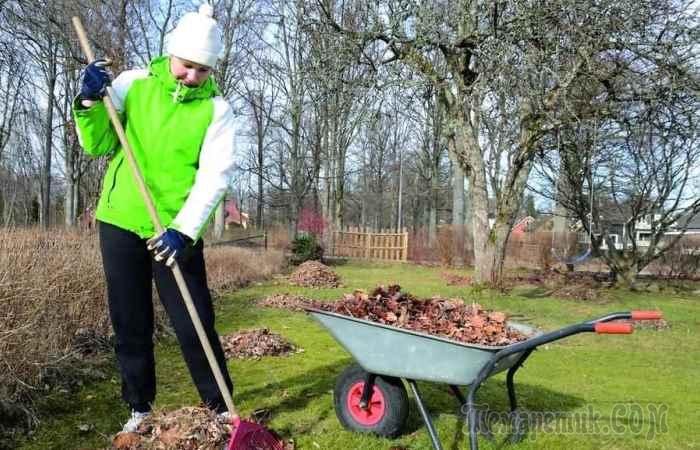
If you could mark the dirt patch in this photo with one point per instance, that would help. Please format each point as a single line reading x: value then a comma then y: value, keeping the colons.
x: 254, y: 344
x: 456, y: 280
x: 570, y: 285
x: 655, y: 325
x: 316, y: 275
x: 449, y: 318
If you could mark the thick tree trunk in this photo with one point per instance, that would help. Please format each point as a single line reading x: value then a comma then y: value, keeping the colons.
x: 458, y: 211
x: 484, y: 249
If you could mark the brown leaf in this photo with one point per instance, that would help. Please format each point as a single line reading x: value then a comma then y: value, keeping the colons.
x: 125, y: 441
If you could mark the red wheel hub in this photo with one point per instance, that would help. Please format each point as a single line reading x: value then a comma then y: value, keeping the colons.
x: 373, y: 413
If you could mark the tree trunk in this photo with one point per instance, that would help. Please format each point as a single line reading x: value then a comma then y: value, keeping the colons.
x: 458, y: 211
x: 432, y: 213
x: 260, y: 154
x: 45, y: 210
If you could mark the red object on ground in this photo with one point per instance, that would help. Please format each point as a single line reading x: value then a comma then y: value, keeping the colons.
x: 248, y: 435
x: 647, y: 315
x: 613, y: 328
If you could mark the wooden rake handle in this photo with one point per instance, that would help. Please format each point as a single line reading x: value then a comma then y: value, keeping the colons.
x: 148, y: 200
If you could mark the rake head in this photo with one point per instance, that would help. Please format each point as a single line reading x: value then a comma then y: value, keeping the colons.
x: 252, y: 436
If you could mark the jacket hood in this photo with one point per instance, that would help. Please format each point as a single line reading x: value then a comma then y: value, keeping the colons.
x: 160, y: 69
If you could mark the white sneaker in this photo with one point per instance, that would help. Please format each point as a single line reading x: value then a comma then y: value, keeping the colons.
x: 225, y: 417
x: 133, y: 423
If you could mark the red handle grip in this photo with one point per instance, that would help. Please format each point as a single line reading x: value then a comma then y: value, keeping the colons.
x: 647, y: 315
x: 614, y: 328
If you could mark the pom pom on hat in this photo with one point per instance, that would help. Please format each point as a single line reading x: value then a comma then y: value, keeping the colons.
x: 197, y: 37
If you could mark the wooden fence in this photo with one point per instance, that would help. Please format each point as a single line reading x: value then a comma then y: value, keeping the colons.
x: 369, y: 244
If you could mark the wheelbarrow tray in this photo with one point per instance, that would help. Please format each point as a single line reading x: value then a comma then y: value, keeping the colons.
x: 396, y: 352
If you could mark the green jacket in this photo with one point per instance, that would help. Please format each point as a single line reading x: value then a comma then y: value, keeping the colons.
x: 183, y: 141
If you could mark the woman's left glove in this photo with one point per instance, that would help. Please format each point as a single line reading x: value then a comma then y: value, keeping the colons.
x: 168, y: 245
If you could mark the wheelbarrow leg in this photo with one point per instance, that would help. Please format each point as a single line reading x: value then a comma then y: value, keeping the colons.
x: 426, y: 415
x: 485, y: 430
x: 516, y: 423
x: 509, y: 380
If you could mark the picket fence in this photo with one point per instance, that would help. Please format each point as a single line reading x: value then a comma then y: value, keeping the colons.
x: 353, y: 242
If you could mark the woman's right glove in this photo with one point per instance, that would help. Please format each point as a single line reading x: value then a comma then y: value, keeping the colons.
x: 169, y: 246
x: 95, y: 80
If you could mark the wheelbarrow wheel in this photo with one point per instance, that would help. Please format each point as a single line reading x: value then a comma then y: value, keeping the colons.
x: 386, y: 412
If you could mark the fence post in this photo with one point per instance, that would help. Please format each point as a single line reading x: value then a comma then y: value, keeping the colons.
x: 368, y: 248
x: 265, y: 236
x: 405, y: 245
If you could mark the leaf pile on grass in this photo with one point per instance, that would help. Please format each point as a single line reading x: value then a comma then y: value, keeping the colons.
x: 449, y: 318
x: 314, y: 274
x: 291, y: 302
x: 187, y: 428
x: 456, y: 280
x: 656, y: 325
x: 255, y: 344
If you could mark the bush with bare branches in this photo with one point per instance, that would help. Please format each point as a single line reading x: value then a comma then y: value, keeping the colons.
x: 52, y: 291
x: 51, y: 286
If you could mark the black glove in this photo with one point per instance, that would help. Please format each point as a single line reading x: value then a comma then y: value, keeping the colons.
x: 95, y: 80
x: 168, y: 246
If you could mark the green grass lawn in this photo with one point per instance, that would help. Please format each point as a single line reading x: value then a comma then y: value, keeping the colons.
x: 617, y: 380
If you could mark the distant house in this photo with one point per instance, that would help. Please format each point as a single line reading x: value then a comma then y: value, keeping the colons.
x: 689, y: 223
x: 233, y: 216
x: 643, y: 229
x: 522, y: 226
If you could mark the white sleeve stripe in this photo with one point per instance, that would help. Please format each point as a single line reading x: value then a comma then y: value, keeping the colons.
x: 216, y: 162
x: 122, y: 84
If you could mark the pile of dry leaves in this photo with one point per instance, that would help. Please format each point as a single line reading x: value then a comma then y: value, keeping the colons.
x: 449, y: 318
x: 314, y: 274
x: 255, y: 344
x: 186, y: 428
x: 289, y: 301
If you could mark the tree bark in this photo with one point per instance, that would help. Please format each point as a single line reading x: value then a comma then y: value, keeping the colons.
x: 458, y: 211
x: 45, y: 210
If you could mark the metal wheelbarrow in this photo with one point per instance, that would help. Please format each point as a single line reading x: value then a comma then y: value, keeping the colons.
x: 370, y: 396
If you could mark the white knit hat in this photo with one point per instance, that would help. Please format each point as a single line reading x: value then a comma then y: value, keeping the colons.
x: 196, y: 37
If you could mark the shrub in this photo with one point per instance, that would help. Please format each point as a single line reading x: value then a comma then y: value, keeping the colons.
x: 311, y: 222
x: 306, y: 247
x: 230, y: 268
x: 446, y: 247
x: 52, y: 295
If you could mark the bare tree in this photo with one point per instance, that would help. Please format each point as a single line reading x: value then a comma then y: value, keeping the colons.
x: 522, y: 62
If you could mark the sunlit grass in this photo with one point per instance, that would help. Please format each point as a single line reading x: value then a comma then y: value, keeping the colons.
x: 606, y: 375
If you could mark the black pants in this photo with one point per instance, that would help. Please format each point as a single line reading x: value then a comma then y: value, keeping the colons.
x: 130, y: 269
